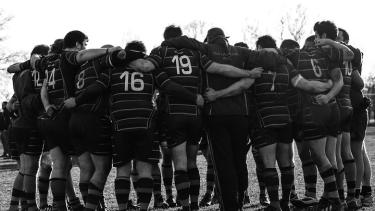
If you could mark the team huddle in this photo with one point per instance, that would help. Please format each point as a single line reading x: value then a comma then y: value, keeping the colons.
x: 98, y: 108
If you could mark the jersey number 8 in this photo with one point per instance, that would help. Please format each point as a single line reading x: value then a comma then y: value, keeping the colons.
x: 136, y: 84
x: 182, y: 63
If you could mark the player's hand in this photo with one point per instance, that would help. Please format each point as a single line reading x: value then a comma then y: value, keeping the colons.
x: 70, y: 103
x: 121, y: 54
x: 33, y: 60
x: 322, y: 41
x: 200, y: 100
x: 210, y: 95
x: 322, y: 99
x: 256, y: 72
x: 117, y: 48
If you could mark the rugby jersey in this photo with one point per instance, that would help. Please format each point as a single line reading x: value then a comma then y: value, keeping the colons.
x: 356, y: 94
x: 343, y: 98
x: 184, y: 67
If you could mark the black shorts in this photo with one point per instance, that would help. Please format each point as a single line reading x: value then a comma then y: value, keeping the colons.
x: 156, y: 154
x: 14, y: 153
x: 129, y: 145
x: 56, y: 132
x: 320, y: 121
x: 266, y: 136
x: 182, y: 129
x: 161, y: 130
x: 358, y: 125
x: 28, y: 141
x: 345, y: 119
x: 296, y: 131
x: 90, y: 133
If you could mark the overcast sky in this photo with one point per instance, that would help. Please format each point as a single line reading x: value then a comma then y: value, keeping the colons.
x: 117, y: 21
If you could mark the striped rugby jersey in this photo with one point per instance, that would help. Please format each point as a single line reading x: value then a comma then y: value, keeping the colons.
x: 343, y: 98
x: 315, y: 64
x: 184, y: 67
x: 270, y: 93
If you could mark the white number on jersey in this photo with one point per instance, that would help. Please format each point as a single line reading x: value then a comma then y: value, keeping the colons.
x: 136, y: 84
x: 36, y: 76
x: 316, y: 68
x: 81, y: 80
x: 51, y: 78
x: 348, y: 68
x: 183, y: 65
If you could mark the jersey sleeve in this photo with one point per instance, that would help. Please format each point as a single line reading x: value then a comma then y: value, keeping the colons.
x: 293, y: 72
x: 156, y: 56
x: 267, y: 60
x: 335, y: 57
x: 71, y: 57
x: 204, y: 61
x: 186, y: 42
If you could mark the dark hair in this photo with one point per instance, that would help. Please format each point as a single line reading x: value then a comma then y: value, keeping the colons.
x: 311, y: 38
x: 57, y: 46
x: 72, y: 37
x: 40, y: 49
x: 171, y: 32
x: 241, y: 44
x: 266, y: 41
x: 107, y: 46
x: 327, y: 27
x: 289, y: 44
x: 136, y: 45
x: 345, y: 34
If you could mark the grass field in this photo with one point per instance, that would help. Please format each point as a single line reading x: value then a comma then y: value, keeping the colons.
x: 7, y: 177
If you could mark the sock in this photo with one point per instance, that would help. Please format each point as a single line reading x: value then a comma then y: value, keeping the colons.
x: 122, y: 190
x: 366, y: 191
x: 310, y: 177
x: 350, y: 176
x: 58, y: 193
x: 23, y: 201
x: 271, y: 179
x: 93, y: 196
x: 29, y: 189
x: 287, y: 179
x: 157, y: 184
x: 74, y: 203
x: 259, y: 169
x: 341, y: 194
x: 167, y: 172
x: 210, y: 179
x: 16, y: 192
x: 83, y: 188
x: 43, y: 185
x: 330, y: 188
x: 194, y: 179
x: 181, y: 180
x: 144, y: 192
x: 357, y: 193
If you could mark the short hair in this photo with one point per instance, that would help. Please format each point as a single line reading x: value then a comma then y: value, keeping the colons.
x: 310, y: 39
x: 40, y: 50
x: 171, y: 32
x: 241, y: 44
x: 57, y: 46
x: 327, y: 27
x: 136, y: 45
x: 345, y: 34
x: 266, y: 41
x: 289, y: 44
x: 72, y: 37
x: 107, y: 46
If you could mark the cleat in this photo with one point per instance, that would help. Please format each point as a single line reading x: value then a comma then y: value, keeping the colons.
x: 263, y: 200
x: 206, y: 200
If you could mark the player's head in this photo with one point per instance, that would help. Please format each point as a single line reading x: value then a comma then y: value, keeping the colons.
x: 40, y: 50
x: 57, y: 46
x: 309, y: 42
x: 216, y: 35
x: 265, y: 41
x: 325, y: 29
x: 242, y: 45
x: 76, y: 40
x: 4, y: 105
x: 343, y: 36
x: 289, y: 44
x: 107, y: 46
x: 136, y: 45
x: 172, y: 31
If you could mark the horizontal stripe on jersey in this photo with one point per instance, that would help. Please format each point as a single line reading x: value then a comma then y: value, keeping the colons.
x: 343, y: 98
x: 183, y: 67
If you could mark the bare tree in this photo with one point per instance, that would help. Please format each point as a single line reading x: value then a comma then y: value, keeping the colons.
x: 4, y: 19
x: 196, y: 29
x: 295, y: 23
x: 251, y: 33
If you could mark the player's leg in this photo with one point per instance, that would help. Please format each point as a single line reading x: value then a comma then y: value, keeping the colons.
x: 167, y: 172
x: 72, y: 199
x: 366, y: 182
x: 86, y: 168
x: 122, y: 184
x: 194, y: 176
x: 44, y: 172
x: 259, y: 172
x: 308, y: 168
x: 350, y: 168
x: 210, y: 178
x: 340, y: 169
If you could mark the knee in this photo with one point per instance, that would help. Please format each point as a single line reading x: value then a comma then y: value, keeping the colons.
x: 86, y: 168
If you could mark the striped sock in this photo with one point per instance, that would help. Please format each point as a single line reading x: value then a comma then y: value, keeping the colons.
x: 287, y: 178
x: 350, y: 176
x: 182, y: 183
x: 271, y: 179
x: 330, y: 187
x: 341, y: 194
x: 93, y: 197
x: 310, y: 176
x: 122, y: 190
x: 340, y: 183
x: 58, y: 193
x: 156, y: 189
x: 194, y: 179
x: 84, y: 188
x: 144, y: 192
x: 167, y: 172
x: 29, y: 189
x: 74, y: 203
x: 23, y: 201
x: 16, y: 192
x: 210, y: 179
x: 43, y: 185
x: 366, y: 190
x: 357, y: 193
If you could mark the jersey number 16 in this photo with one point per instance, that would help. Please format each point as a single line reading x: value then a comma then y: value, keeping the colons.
x: 136, y: 84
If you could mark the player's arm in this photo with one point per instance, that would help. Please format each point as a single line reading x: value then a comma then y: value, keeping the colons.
x: 357, y: 81
x: 300, y: 82
x: 185, y: 42
x: 338, y: 83
x: 11, y: 103
x: 348, y: 55
x: 234, y: 89
x: 142, y: 65
x: 233, y: 72
x: 85, y: 55
x: 18, y: 67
